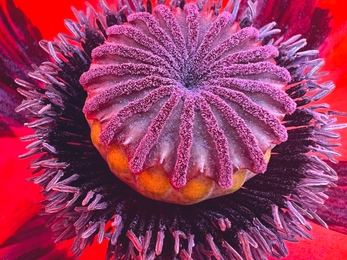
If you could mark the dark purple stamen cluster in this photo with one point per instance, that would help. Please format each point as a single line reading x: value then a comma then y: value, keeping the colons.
x: 191, y: 82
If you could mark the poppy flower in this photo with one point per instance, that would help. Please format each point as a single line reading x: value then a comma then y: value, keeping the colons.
x: 97, y: 115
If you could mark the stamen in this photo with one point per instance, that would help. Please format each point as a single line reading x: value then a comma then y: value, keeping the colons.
x: 118, y: 226
x: 234, y: 253
x: 260, y: 240
x: 245, y: 245
x: 54, y: 180
x: 91, y: 230
x: 177, y: 235
x: 87, y: 199
x: 215, y: 250
x: 160, y: 242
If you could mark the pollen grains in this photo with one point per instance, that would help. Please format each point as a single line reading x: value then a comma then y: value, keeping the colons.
x: 185, y: 105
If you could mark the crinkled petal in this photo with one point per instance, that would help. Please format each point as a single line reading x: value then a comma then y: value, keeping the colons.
x: 19, y: 49
x: 51, y: 22
x: 334, y: 210
x: 34, y: 241
x: 19, y: 199
x: 326, y: 245
x: 294, y: 17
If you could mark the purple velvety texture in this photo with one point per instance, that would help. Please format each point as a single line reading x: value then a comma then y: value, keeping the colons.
x: 193, y: 88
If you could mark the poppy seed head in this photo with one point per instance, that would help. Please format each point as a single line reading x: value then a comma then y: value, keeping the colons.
x: 185, y: 105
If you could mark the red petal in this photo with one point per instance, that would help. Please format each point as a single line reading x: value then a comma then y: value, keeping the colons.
x: 337, y: 10
x: 19, y: 199
x: 32, y: 241
x: 50, y: 17
x: 335, y: 53
x: 326, y: 245
x: 93, y: 252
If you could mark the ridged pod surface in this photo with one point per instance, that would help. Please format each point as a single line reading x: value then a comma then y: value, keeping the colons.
x: 185, y: 105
